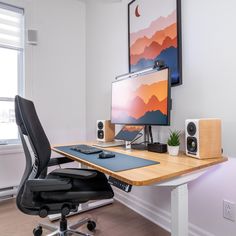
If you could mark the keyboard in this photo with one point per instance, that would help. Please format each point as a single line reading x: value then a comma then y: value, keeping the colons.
x: 85, y: 149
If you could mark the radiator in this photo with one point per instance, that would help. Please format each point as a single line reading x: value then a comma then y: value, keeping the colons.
x: 7, y: 193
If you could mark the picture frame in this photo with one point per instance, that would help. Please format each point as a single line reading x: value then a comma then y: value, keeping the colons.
x: 154, y: 33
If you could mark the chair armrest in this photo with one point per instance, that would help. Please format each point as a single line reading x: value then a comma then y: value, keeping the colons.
x: 48, y: 185
x: 74, y: 173
x: 58, y: 161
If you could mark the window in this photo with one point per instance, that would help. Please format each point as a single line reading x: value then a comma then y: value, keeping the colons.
x: 11, y: 69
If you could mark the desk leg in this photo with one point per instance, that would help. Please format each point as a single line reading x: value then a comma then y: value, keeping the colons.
x: 179, y: 211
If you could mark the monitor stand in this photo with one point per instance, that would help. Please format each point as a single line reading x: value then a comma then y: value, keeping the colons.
x: 127, y: 145
x: 142, y: 146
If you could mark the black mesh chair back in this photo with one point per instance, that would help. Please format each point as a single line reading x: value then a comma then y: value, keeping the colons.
x: 29, y: 124
x: 30, y: 127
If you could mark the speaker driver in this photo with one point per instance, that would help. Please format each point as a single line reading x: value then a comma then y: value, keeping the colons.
x: 100, y: 134
x: 100, y: 125
x: 192, y: 144
x: 191, y: 128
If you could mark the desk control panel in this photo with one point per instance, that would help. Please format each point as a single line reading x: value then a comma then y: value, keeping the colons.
x: 120, y: 184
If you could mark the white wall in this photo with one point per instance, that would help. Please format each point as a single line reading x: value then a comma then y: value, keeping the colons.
x: 106, y: 37
x: 55, y: 75
x: 208, y: 91
x: 58, y: 80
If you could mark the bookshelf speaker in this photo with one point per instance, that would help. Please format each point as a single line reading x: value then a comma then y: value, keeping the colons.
x: 105, y: 131
x: 203, y: 138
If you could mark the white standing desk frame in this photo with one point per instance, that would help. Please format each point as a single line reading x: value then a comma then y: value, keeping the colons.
x: 179, y: 201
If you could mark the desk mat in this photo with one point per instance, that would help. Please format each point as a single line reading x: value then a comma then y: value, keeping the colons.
x: 120, y: 162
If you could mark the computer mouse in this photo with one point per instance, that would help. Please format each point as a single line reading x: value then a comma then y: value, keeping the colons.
x: 105, y: 155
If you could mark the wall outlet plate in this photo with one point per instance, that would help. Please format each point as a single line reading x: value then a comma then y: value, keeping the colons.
x: 229, y: 210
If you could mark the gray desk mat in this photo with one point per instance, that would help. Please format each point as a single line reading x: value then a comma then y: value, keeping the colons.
x: 120, y: 162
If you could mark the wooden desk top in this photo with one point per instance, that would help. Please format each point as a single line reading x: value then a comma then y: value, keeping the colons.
x: 169, y: 167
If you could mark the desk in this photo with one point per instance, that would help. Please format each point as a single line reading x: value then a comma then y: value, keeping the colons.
x: 176, y: 172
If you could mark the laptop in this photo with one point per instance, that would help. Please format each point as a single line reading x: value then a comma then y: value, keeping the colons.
x: 109, y: 144
x: 127, y: 133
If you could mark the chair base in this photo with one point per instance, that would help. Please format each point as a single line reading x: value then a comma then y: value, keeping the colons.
x: 63, y: 230
x: 84, y: 207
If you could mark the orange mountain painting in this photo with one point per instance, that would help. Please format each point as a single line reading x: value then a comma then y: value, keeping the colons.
x: 153, y: 35
x: 141, y: 100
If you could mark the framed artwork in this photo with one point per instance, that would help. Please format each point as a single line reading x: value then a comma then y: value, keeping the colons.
x: 155, y: 34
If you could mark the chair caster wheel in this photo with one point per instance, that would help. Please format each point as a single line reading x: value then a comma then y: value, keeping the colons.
x: 38, y: 231
x: 65, y: 210
x: 43, y: 212
x: 91, y: 225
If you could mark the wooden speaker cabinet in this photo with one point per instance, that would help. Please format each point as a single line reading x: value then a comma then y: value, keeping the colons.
x: 105, y: 131
x: 203, y: 138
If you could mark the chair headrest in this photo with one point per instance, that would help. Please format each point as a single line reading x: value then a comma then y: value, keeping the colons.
x: 18, y: 115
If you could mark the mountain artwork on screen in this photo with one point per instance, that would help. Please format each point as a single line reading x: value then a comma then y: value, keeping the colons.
x: 141, y: 100
x: 153, y: 35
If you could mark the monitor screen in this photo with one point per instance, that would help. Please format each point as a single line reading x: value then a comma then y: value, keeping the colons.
x: 143, y: 100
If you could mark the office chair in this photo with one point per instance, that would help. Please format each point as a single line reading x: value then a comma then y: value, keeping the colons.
x: 60, y: 191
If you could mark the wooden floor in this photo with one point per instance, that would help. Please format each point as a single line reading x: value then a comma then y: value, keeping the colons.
x: 112, y: 220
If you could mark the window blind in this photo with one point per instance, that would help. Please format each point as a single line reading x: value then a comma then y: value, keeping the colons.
x: 11, y: 26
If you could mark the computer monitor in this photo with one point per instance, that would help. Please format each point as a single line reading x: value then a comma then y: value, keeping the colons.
x: 143, y: 100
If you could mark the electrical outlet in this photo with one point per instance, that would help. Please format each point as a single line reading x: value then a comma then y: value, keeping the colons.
x: 229, y: 210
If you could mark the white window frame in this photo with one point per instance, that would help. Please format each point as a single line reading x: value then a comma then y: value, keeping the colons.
x: 21, y: 68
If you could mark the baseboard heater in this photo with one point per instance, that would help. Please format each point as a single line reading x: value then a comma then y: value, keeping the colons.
x: 7, y: 193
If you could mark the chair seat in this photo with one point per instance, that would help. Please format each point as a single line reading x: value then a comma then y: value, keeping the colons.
x: 75, y: 196
x: 82, y: 190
